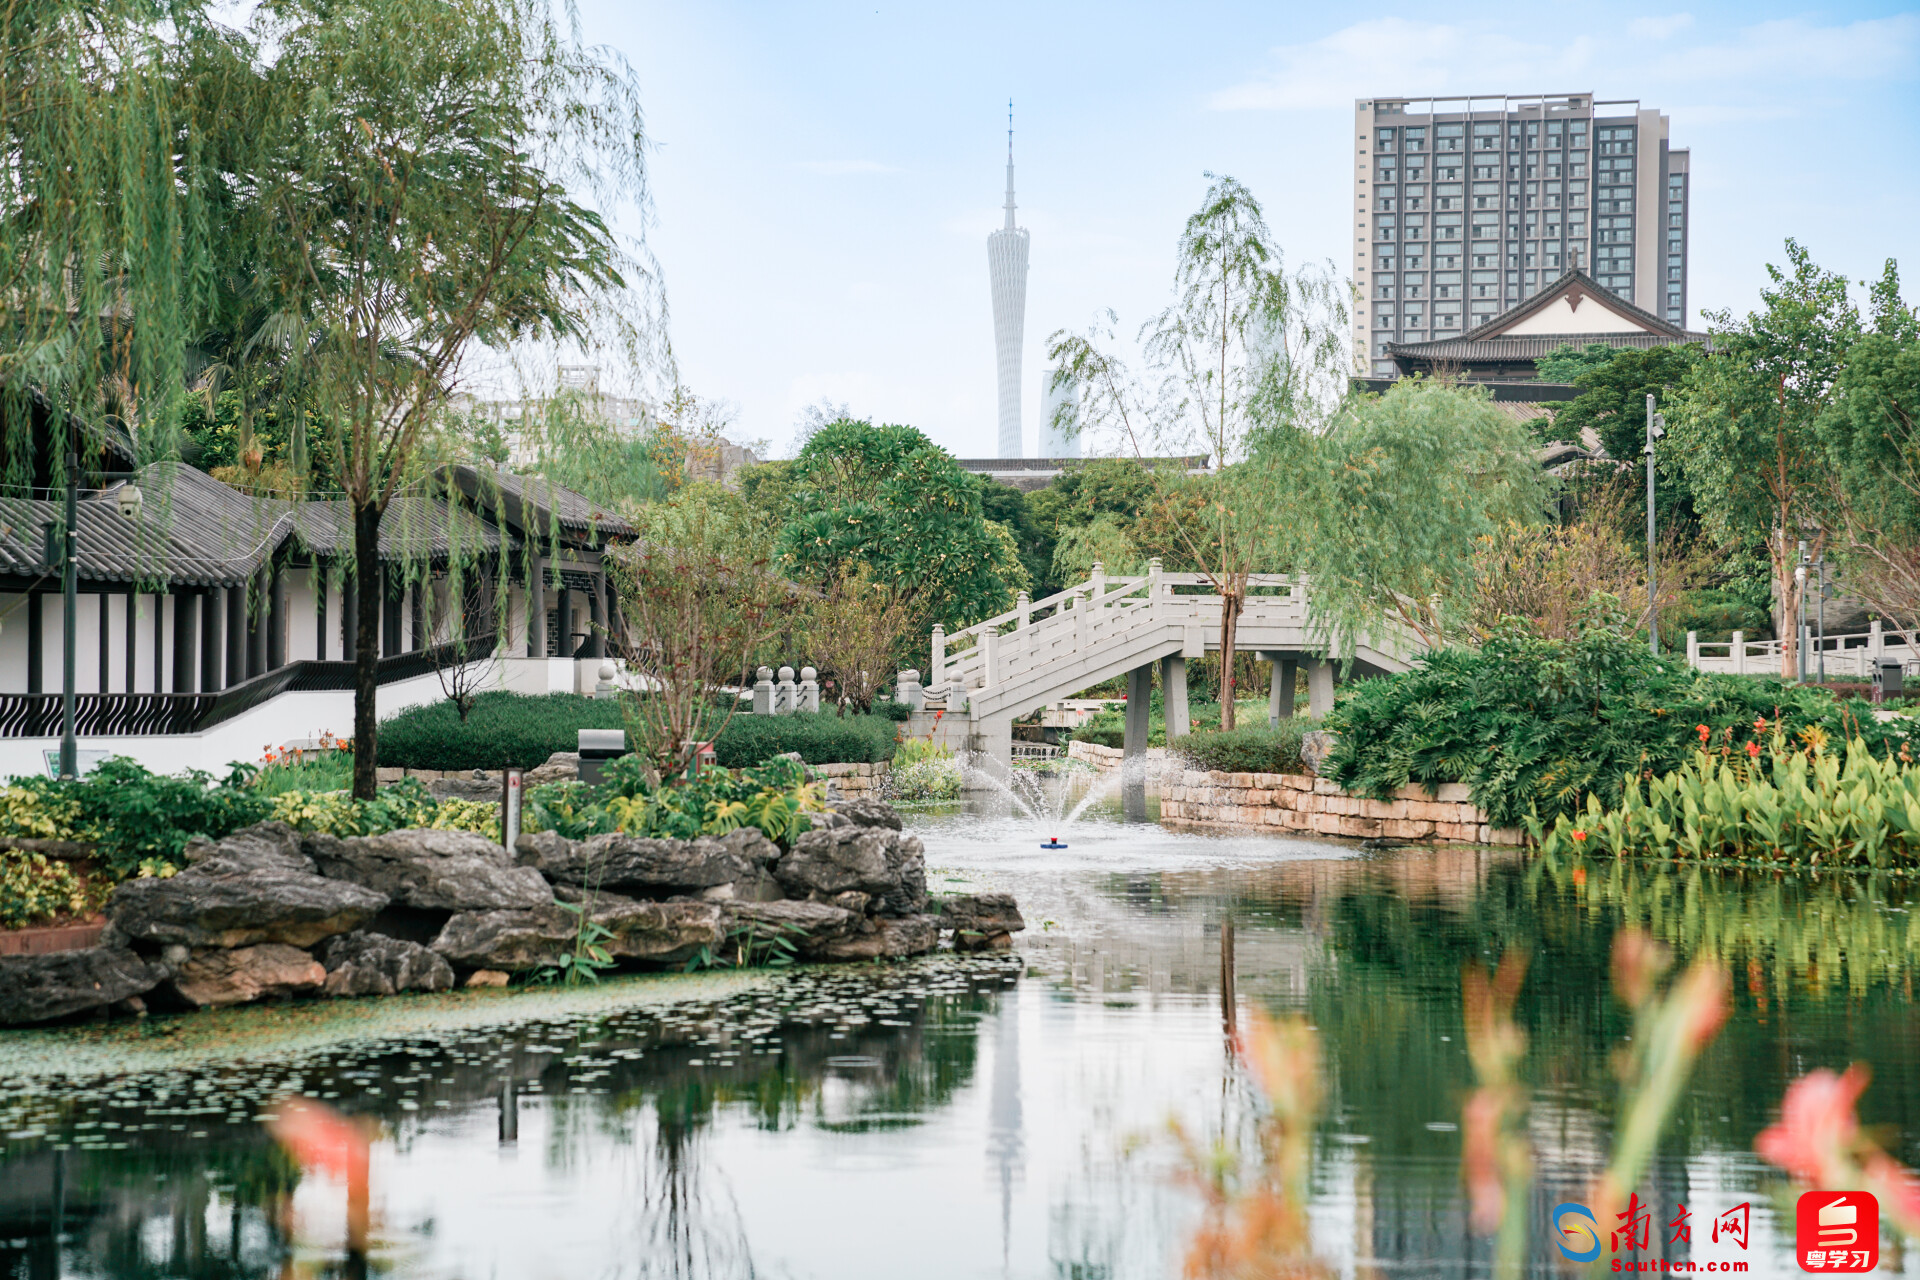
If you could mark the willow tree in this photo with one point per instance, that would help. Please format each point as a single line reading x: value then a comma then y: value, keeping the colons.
x: 1248, y: 354
x: 104, y: 258
x: 420, y: 188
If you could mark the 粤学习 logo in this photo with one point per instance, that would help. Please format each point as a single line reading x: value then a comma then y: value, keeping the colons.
x: 1837, y: 1231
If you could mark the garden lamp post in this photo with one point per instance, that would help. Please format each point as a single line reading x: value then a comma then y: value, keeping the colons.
x: 130, y: 504
x: 1800, y: 615
x: 1656, y: 429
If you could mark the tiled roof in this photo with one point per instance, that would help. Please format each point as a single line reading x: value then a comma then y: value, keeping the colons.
x: 1531, y: 346
x: 532, y: 502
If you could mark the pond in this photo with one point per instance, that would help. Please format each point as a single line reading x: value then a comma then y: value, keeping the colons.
x: 1000, y: 1116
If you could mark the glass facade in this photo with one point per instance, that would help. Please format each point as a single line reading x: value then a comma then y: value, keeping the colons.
x: 1494, y: 205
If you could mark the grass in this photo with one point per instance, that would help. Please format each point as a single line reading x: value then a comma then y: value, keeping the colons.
x: 306, y: 771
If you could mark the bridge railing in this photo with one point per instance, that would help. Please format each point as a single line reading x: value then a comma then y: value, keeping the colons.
x: 1848, y: 655
x: 1087, y: 615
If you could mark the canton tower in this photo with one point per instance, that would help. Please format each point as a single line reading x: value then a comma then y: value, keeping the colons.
x: 1007, y: 269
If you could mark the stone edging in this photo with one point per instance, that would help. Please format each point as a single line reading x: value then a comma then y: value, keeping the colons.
x: 1297, y: 802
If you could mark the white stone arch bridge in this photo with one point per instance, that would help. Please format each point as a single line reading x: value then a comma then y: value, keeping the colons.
x: 984, y: 678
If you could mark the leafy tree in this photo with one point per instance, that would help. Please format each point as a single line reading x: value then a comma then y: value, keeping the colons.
x: 1871, y: 434
x: 855, y: 629
x: 1103, y: 541
x: 888, y: 498
x: 1566, y: 362
x: 1413, y: 480
x: 412, y: 189
x: 1248, y: 351
x: 1010, y: 508
x: 1613, y: 402
x: 1746, y: 420
x: 1120, y: 487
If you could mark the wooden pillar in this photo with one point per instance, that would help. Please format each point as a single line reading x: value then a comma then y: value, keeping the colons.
x: 236, y: 635
x: 257, y: 625
x: 159, y: 644
x: 319, y: 609
x: 389, y: 611
x: 277, y: 617
x: 417, y: 614
x: 536, y: 614
x: 210, y: 640
x: 597, y: 617
x: 186, y: 660
x: 567, y: 648
x: 349, y: 618
x: 36, y: 644
x: 106, y: 642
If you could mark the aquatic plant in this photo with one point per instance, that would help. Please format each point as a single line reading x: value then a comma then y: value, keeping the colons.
x: 1807, y: 806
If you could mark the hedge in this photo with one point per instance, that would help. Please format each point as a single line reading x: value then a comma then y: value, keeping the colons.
x: 503, y: 731
x: 820, y: 738
x: 1250, y: 748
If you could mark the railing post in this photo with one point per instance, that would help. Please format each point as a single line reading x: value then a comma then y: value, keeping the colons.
x: 1693, y: 649
x: 989, y: 651
x: 937, y: 673
x: 1738, y: 650
x: 1099, y: 581
x: 1023, y: 605
x: 1153, y: 584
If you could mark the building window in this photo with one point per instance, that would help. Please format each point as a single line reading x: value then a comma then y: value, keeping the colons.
x: 1383, y: 140
x: 1383, y: 289
x: 1415, y: 139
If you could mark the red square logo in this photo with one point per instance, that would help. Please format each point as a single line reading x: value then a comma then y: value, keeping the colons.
x: 1837, y: 1231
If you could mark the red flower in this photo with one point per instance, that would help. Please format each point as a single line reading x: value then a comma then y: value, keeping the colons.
x: 1753, y: 751
x: 1704, y: 733
x: 1817, y: 1125
x: 1579, y: 836
x: 1759, y: 724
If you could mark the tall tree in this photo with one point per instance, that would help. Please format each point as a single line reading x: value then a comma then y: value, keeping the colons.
x: 415, y: 176
x: 1745, y: 421
x: 1247, y: 349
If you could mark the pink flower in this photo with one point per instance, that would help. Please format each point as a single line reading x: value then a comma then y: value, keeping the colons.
x: 1817, y: 1125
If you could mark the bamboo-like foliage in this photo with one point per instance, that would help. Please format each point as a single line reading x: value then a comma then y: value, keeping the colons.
x: 1812, y: 806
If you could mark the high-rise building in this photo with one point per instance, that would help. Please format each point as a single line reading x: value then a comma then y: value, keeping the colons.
x: 1466, y: 207
x: 1007, y: 271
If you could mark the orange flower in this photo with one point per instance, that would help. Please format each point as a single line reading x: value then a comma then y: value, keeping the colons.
x: 1753, y: 751
x: 1759, y: 724
x: 1580, y: 877
x: 1579, y: 836
x: 1704, y: 733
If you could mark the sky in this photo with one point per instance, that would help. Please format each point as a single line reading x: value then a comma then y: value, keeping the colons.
x: 825, y: 176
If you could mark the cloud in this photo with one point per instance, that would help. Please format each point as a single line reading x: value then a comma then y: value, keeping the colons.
x: 1404, y: 58
x: 1659, y: 28
x: 1790, y: 49
x: 842, y: 168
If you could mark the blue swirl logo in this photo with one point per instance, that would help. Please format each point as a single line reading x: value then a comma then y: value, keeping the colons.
x: 1571, y: 1233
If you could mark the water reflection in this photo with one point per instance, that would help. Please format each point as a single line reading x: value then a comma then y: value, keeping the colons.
x: 1005, y: 1116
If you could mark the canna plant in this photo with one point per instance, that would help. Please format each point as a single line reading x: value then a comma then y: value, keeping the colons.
x: 1810, y: 806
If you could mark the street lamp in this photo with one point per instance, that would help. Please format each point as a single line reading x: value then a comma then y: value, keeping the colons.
x: 1656, y: 429
x: 131, y: 502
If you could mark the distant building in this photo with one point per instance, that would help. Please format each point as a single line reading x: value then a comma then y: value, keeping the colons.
x: 1465, y: 207
x: 1031, y: 474
x: 1057, y: 441
x: 1007, y: 273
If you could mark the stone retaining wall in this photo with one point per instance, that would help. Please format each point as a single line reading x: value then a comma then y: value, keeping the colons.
x: 1297, y: 802
x: 856, y: 781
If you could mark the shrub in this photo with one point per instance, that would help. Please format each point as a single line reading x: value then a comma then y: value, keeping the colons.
x: 291, y: 769
x: 819, y: 737
x: 1535, y: 726
x: 1771, y: 804
x: 924, y: 771
x: 404, y: 805
x: 888, y: 709
x: 775, y: 800
x: 504, y: 730
x: 1104, y: 728
x: 35, y: 889
x: 134, y: 816
x: 1250, y: 748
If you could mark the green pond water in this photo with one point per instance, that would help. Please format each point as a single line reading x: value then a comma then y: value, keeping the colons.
x: 973, y: 1117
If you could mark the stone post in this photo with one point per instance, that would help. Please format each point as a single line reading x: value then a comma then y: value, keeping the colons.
x: 906, y: 688
x: 936, y: 674
x: 763, y: 692
x: 1280, y: 694
x: 1099, y: 581
x: 809, y: 689
x: 989, y: 652
x: 783, y: 693
x: 1139, y: 714
x: 1693, y: 649
x: 1173, y: 697
x: 1153, y: 583
x: 1023, y: 605
x: 1320, y: 688
x: 1738, y: 651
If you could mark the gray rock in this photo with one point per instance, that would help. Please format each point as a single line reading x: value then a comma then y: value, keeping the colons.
x: 810, y: 926
x: 372, y: 964
x: 887, y: 865
x: 254, y: 887
x: 432, y: 870
x: 62, y: 983
x: 981, y: 921
x: 561, y: 766
x: 477, y: 785
x: 868, y: 813
x: 1315, y: 747
x: 218, y: 977
x: 515, y: 941
x: 650, y: 867
x: 885, y: 938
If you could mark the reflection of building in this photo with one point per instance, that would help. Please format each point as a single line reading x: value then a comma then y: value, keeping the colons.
x: 1007, y: 271
x: 1466, y: 207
